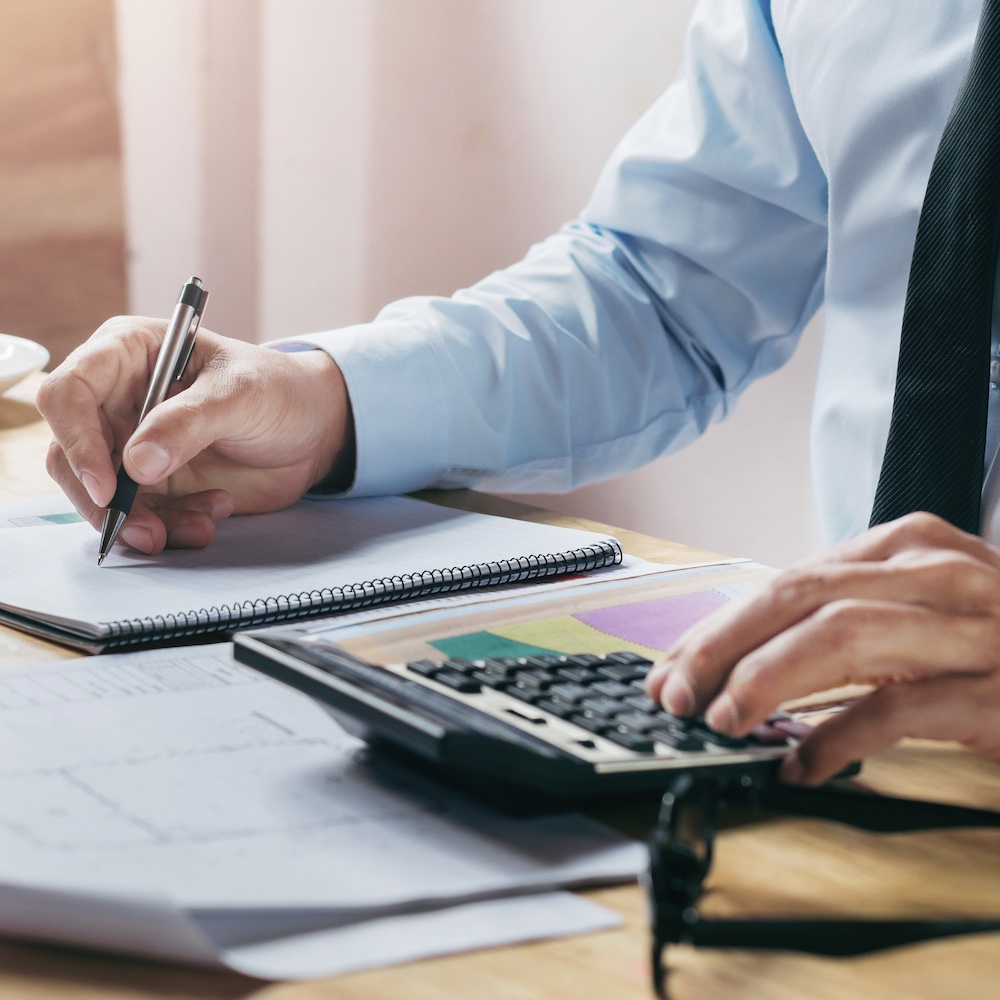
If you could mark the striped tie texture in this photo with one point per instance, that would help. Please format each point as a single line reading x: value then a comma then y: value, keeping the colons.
x: 935, y: 453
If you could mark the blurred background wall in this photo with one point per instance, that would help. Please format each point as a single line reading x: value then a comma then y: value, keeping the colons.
x: 62, y: 260
x: 314, y: 159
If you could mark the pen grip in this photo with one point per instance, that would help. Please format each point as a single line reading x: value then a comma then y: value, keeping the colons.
x: 125, y: 493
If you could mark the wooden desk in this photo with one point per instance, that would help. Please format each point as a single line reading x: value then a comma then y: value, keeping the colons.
x: 781, y: 866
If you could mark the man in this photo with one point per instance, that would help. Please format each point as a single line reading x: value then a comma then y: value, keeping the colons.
x: 787, y: 166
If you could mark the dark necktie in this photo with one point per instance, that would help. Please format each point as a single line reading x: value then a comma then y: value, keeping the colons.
x: 935, y: 454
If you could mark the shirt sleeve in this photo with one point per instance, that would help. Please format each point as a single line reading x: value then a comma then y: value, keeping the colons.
x: 690, y: 273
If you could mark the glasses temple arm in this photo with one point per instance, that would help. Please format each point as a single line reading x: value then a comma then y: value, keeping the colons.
x: 833, y: 938
x: 869, y: 811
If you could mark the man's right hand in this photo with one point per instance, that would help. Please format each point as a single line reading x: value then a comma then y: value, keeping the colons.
x: 250, y: 430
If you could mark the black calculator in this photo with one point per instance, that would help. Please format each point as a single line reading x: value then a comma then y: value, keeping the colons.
x: 569, y: 727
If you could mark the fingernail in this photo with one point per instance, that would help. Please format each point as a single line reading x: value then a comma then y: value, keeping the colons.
x: 138, y: 537
x: 792, y: 770
x: 149, y: 460
x: 722, y: 715
x: 677, y: 697
x: 91, y: 486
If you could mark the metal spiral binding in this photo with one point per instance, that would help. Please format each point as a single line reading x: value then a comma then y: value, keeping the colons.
x: 311, y: 604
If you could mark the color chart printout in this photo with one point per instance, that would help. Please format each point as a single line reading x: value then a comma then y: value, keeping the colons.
x: 648, y: 627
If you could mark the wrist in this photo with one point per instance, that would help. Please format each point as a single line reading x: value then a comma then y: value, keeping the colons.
x: 335, y: 464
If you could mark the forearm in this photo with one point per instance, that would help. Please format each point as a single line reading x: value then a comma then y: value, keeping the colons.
x: 691, y: 273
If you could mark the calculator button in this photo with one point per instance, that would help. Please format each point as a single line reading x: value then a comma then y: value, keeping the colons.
x: 502, y: 666
x: 495, y: 681
x: 590, y: 723
x: 622, y: 672
x: 612, y: 689
x: 578, y: 675
x: 640, y: 702
x: 545, y: 661
x: 673, y: 721
x: 638, y: 722
x: 627, y: 656
x: 569, y: 692
x: 602, y: 707
x: 560, y: 709
x: 459, y: 665
x: 632, y: 741
x: 584, y: 659
x: 537, y: 680
x: 458, y: 682
x: 423, y: 667
x: 721, y: 739
x: 677, y: 738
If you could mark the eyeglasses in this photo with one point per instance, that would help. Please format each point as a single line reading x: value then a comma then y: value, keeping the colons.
x: 680, y: 857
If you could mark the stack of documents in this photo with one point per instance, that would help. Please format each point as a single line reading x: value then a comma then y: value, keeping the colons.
x: 173, y: 804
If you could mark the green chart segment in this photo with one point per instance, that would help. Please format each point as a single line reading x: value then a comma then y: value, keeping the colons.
x: 484, y: 645
x: 645, y: 627
x: 32, y: 520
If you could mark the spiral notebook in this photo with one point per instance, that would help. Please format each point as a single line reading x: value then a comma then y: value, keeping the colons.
x: 314, y: 558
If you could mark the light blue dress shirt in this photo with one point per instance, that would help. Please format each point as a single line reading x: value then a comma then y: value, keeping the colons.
x: 785, y: 168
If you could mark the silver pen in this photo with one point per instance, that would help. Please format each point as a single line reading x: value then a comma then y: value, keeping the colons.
x: 171, y: 363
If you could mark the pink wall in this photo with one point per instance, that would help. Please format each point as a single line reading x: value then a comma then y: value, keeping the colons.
x: 349, y: 152
x: 490, y: 122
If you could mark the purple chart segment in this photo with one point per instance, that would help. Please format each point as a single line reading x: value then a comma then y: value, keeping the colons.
x: 657, y: 623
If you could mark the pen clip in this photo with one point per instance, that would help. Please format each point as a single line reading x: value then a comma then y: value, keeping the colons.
x: 192, y: 294
x: 188, y: 347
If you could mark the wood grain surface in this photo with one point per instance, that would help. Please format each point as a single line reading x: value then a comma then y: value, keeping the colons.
x: 774, y: 866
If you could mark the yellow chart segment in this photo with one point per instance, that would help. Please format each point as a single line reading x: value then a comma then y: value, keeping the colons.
x: 570, y: 635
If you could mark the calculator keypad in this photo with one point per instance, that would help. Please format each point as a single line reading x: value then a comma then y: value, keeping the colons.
x: 601, y: 695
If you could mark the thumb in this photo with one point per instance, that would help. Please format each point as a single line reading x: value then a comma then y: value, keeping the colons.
x: 180, y: 428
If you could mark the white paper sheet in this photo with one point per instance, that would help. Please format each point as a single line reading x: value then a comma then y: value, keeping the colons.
x: 404, y: 938
x: 155, y: 928
x: 180, y: 782
x: 51, y: 570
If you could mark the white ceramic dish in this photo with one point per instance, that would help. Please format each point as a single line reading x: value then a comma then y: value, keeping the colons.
x: 19, y: 357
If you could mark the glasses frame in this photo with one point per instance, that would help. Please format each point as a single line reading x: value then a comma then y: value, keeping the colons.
x: 682, y: 845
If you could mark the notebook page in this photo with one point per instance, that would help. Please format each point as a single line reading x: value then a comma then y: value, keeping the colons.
x: 51, y: 571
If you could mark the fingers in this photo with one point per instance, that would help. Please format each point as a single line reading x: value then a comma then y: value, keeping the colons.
x: 155, y: 521
x: 182, y: 427
x: 823, y: 622
x: 918, y: 531
x: 91, y: 402
x: 262, y: 425
x: 82, y: 452
x: 852, y: 642
x: 267, y: 424
x: 59, y: 469
x: 188, y: 522
x: 961, y: 708
x: 912, y: 608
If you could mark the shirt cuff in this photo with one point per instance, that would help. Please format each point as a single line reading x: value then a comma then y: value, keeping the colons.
x: 397, y: 391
